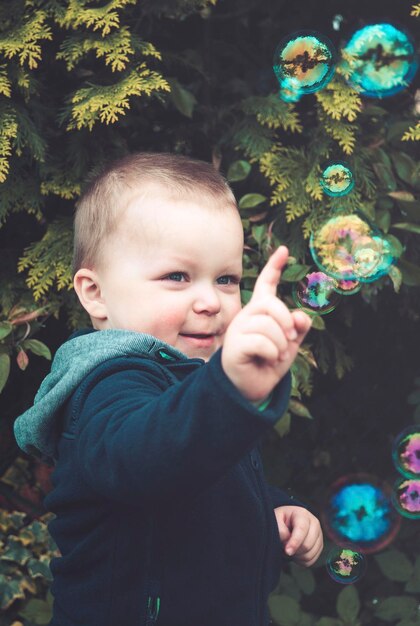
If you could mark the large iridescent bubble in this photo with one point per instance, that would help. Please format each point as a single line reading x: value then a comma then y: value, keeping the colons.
x: 337, y: 179
x: 346, y: 566
x: 347, y: 247
x: 316, y: 293
x: 380, y: 60
x: 406, y: 497
x: 304, y: 62
x: 406, y: 452
x: 359, y: 513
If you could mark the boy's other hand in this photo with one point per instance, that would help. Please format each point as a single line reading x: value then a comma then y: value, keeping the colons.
x: 263, y: 339
x: 301, y: 533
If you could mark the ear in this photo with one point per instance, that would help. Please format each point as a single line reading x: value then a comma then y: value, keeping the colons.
x: 86, y: 285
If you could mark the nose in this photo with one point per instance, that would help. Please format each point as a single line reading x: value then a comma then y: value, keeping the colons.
x: 206, y: 300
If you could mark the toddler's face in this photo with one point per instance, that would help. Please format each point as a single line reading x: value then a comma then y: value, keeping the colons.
x: 172, y: 270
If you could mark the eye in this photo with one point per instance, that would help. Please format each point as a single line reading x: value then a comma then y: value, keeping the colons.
x: 234, y: 280
x: 175, y: 276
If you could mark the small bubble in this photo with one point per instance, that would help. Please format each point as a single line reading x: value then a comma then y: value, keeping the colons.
x: 348, y: 287
x: 406, y: 452
x: 316, y: 293
x: 380, y: 60
x: 337, y: 20
x: 346, y: 566
x: 406, y: 497
x: 304, y: 62
x: 337, y: 179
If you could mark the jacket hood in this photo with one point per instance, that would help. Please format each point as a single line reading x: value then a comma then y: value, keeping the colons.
x: 36, y: 429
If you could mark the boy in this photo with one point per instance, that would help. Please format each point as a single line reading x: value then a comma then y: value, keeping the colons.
x: 162, y: 512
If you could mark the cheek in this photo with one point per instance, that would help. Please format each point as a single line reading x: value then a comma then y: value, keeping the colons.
x: 169, y: 319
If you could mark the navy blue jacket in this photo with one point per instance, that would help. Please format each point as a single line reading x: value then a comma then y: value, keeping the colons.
x: 163, y: 515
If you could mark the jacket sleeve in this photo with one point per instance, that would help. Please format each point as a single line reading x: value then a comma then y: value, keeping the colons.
x: 141, y: 438
x: 281, y: 498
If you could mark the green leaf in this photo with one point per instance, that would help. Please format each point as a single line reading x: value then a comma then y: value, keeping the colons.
x: 296, y: 272
x: 348, y: 604
x: 410, y: 273
x: 396, y: 245
x: 385, y: 176
x: 246, y: 296
x: 412, y: 228
x: 396, y: 607
x: 37, y: 612
x: 4, y: 370
x: 383, y: 219
x: 404, y: 196
x: 5, y: 329
x: 318, y: 323
x: 395, y: 565
x: 413, y: 585
x: 251, y: 200
x: 282, y: 426
x: 304, y: 578
x: 285, y: 611
x: 258, y: 232
x: 182, y: 99
x: 404, y: 166
x: 37, y: 347
x: 396, y: 276
x: 299, y: 409
x: 238, y: 170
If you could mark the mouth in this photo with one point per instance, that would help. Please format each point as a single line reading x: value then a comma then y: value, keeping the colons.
x: 200, y: 340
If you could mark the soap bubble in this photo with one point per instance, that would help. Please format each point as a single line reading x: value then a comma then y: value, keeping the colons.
x: 406, y: 497
x: 304, y: 62
x: 348, y: 287
x: 406, y: 452
x: 343, y: 247
x: 359, y: 513
x: 316, y: 293
x: 345, y: 565
x: 289, y: 95
x: 337, y: 179
x: 366, y: 253
x: 387, y: 256
x: 380, y: 60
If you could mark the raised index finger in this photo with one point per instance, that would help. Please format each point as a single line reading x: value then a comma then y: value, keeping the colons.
x: 269, y: 278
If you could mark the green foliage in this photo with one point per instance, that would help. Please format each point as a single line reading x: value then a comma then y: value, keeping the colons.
x: 27, y: 549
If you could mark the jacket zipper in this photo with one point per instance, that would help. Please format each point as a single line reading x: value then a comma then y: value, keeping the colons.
x: 153, y: 604
x: 153, y: 597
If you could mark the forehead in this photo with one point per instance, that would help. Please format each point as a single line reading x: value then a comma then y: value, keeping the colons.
x: 192, y: 226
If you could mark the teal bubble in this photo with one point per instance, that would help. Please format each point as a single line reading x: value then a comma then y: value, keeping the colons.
x: 359, y: 513
x: 380, y: 60
x: 316, y: 294
x: 337, y: 179
x: 406, y: 497
x: 304, y: 62
x: 346, y: 566
x: 406, y: 452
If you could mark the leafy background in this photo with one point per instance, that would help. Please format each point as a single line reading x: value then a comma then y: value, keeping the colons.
x: 84, y: 82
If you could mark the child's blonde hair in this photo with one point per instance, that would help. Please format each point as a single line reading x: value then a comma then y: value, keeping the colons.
x: 100, y: 206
